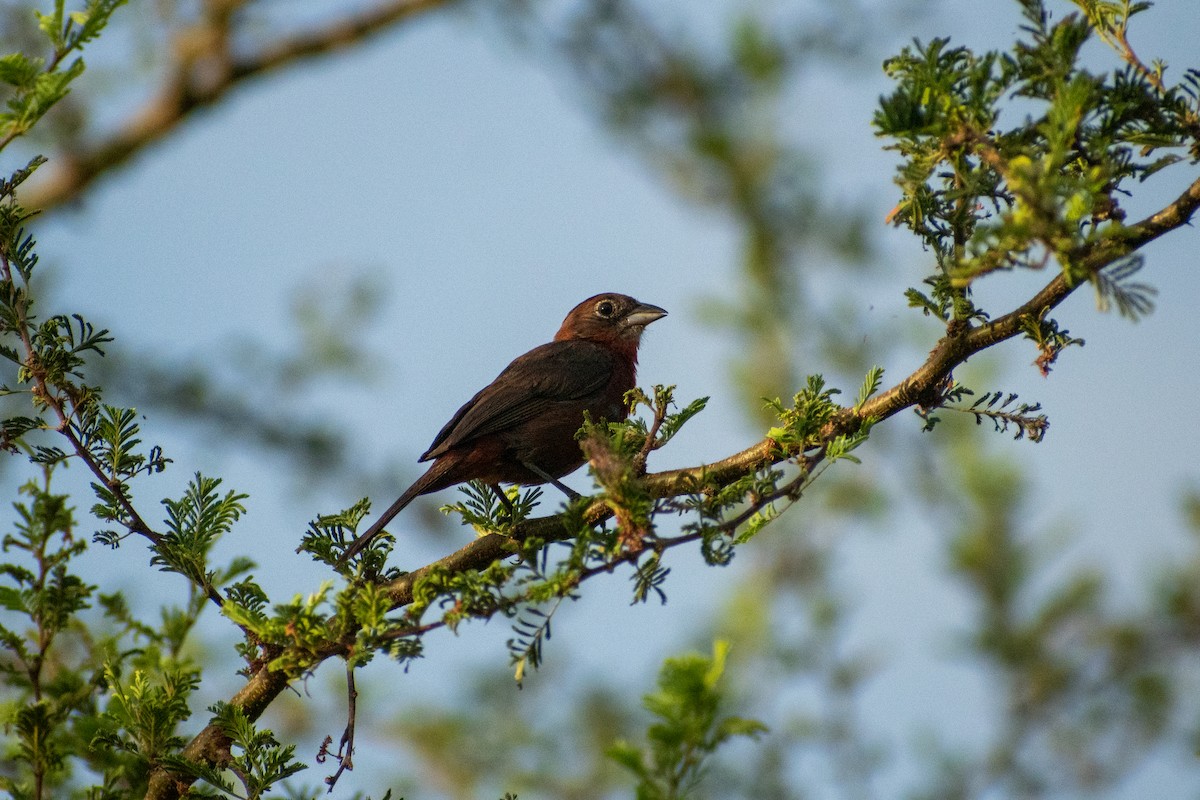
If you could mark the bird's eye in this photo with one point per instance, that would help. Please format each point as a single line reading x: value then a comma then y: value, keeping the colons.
x: 605, y: 308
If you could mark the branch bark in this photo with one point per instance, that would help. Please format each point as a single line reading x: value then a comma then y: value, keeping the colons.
x: 960, y: 343
x: 201, y: 72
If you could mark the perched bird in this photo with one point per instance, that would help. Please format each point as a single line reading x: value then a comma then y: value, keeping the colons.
x: 521, y: 427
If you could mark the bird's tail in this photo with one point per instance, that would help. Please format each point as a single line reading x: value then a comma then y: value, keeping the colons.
x: 395, y: 508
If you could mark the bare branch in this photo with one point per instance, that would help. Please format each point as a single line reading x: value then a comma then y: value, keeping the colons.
x: 202, y: 72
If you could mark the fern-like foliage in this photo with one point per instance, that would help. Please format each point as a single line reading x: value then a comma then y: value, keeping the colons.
x: 531, y: 630
x: 689, y: 726
x: 1003, y: 409
x: 1132, y: 299
x: 256, y: 759
x: 1049, y: 339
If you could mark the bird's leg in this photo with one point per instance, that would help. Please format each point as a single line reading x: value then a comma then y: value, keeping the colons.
x: 503, y: 498
x: 562, y: 487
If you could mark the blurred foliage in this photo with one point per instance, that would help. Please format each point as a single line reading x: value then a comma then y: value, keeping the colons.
x: 267, y: 399
x: 713, y: 117
x: 688, y: 729
x: 1081, y: 690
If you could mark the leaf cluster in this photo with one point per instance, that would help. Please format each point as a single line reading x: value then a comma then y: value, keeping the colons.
x: 256, y: 759
x: 805, y: 424
x: 813, y: 430
x: 689, y: 727
x: 106, y: 701
x: 45, y: 599
x: 1016, y: 159
x: 194, y: 524
x: 34, y: 84
x: 48, y: 360
x: 81, y: 709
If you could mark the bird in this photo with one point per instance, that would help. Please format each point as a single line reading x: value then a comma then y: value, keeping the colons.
x: 521, y: 427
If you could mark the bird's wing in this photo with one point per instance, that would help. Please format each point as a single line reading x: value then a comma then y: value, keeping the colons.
x: 553, y: 372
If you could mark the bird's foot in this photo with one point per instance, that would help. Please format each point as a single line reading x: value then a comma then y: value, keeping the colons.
x: 548, y: 478
x: 504, y: 501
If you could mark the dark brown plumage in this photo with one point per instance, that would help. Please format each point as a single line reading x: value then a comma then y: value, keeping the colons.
x: 521, y: 427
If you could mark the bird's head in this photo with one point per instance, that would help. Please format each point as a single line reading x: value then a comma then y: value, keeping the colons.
x: 615, y: 319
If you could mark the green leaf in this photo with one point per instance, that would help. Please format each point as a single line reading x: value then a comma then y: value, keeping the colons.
x: 52, y: 24
x: 689, y: 726
x: 11, y: 599
x: 870, y: 386
x: 18, y: 70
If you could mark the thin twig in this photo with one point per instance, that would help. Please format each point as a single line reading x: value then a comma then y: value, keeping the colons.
x: 345, y: 753
x: 1126, y: 52
x: 651, y: 444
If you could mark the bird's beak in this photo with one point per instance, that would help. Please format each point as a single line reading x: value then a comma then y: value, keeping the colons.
x: 643, y: 314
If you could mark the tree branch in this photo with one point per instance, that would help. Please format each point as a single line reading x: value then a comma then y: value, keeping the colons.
x: 200, y: 73
x: 211, y: 745
x: 960, y: 343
